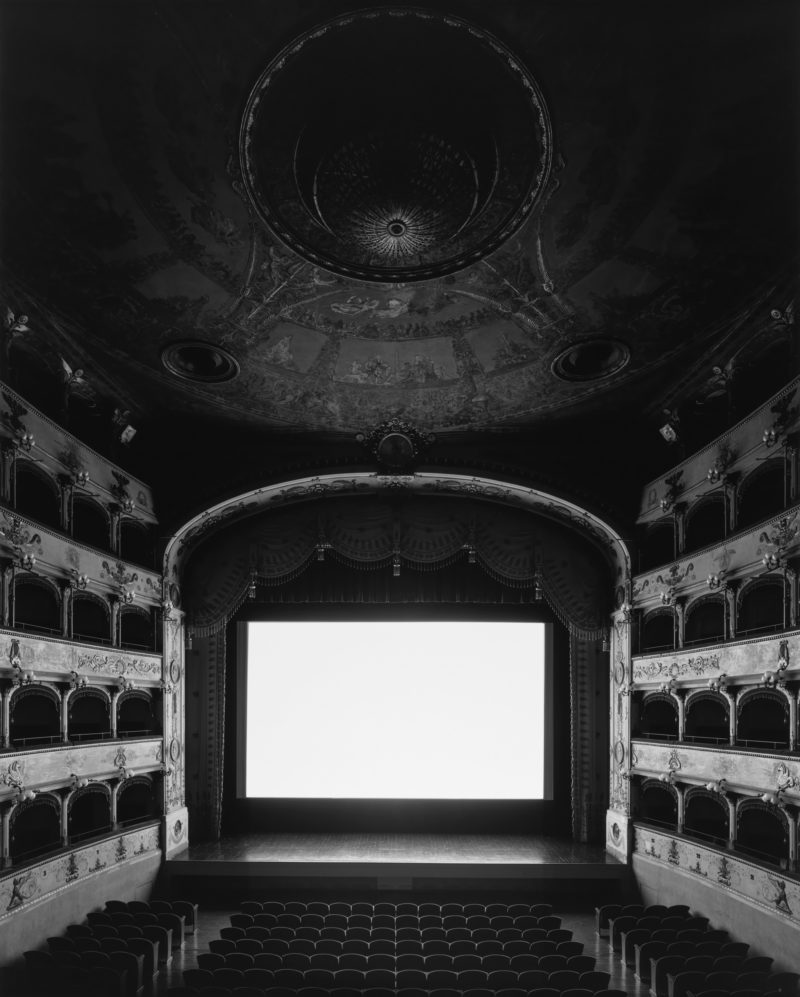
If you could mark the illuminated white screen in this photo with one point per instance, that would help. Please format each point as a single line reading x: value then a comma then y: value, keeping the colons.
x: 400, y: 710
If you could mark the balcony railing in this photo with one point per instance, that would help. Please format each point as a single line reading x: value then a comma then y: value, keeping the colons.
x: 36, y: 741
x: 91, y: 639
x: 750, y: 742
x: 706, y: 739
x: 93, y: 832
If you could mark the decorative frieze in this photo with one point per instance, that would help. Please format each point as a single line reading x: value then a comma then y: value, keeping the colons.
x: 62, y: 661
x: 739, y: 450
x: 34, y: 547
x: 745, y: 660
x: 22, y: 888
x: 61, y: 453
x: 737, y: 557
x: 55, y: 766
x: 768, y: 889
x: 742, y: 770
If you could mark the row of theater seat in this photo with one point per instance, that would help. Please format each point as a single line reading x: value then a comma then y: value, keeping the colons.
x: 186, y: 909
x: 437, y: 979
x: 241, y: 959
x: 381, y: 907
x: 436, y: 946
x: 681, y: 955
x: 247, y: 991
x: 401, y: 922
x: 337, y: 936
x: 117, y: 952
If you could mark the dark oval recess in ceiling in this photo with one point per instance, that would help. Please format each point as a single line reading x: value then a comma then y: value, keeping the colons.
x: 194, y: 360
x: 395, y: 145
x: 591, y: 360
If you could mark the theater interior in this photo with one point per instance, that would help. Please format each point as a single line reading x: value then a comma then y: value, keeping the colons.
x: 399, y: 499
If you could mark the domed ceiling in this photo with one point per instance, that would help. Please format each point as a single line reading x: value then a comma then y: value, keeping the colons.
x: 421, y: 158
x: 481, y: 216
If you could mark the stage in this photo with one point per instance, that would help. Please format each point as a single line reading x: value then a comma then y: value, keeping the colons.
x: 429, y: 863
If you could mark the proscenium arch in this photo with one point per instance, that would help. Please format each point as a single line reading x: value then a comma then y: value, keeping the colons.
x: 422, y: 483
x: 306, y: 491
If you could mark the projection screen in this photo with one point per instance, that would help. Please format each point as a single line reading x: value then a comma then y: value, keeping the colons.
x: 394, y: 710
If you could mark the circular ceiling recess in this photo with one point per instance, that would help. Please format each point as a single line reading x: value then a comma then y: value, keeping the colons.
x: 193, y: 360
x: 591, y: 360
x: 395, y: 145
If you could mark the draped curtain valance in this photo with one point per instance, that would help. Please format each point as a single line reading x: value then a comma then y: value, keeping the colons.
x: 517, y: 548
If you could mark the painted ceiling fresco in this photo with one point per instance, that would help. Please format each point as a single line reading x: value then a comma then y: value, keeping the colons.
x: 667, y: 216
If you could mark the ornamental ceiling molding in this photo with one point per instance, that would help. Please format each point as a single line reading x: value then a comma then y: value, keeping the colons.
x: 423, y: 483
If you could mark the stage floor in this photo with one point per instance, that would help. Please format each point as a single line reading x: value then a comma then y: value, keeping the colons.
x: 459, y: 849
x: 395, y: 862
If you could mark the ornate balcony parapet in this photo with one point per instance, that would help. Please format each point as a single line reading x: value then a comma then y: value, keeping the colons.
x: 741, y: 662
x: 738, y: 450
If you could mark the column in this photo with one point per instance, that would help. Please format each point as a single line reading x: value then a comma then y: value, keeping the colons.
x: 791, y: 580
x: 8, y: 454
x: 114, y: 601
x: 112, y: 716
x: 794, y: 470
x: 116, y: 517
x: 5, y: 837
x: 792, y: 697
x: 731, y: 482
x: 792, y: 825
x: 679, y: 791
x: 680, y: 699
x: 8, y: 587
x: 113, y: 807
x: 679, y: 514
x: 729, y: 591
x: 731, y: 697
x: 65, y: 821
x: 680, y: 622
x: 65, y: 505
x: 66, y: 610
x: 65, y: 715
x: 5, y: 715
x: 731, y: 821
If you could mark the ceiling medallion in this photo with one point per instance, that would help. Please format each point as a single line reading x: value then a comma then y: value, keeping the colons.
x: 194, y: 360
x: 591, y: 360
x: 396, y: 445
x: 394, y: 176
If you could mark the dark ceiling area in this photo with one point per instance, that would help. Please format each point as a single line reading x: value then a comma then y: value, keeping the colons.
x: 253, y: 230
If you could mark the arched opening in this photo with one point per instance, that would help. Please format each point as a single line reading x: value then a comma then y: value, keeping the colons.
x: 762, y: 493
x: 659, y: 804
x: 763, y: 720
x: 91, y: 619
x: 658, y: 631
x: 136, y: 542
x: 35, y: 717
x: 707, y: 719
x: 706, y: 816
x: 35, y: 829
x: 88, y: 716
x: 88, y: 813
x: 136, y: 629
x: 90, y: 522
x: 705, y: 621
x: 135, y: 715
x: 705, y: 523
x: 136, y: 801
x: 761, y: 607
x: 658, y: 719
x: 36, y: 606
x: 658, y: 545
x: 36, y: 495
x: 761, y: 831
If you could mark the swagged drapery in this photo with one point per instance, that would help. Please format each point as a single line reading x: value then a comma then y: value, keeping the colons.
x: 404, y: 550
